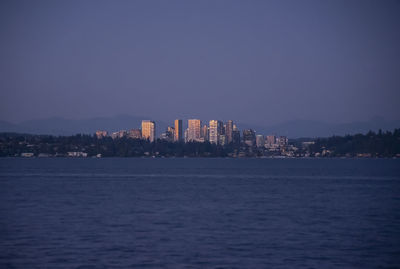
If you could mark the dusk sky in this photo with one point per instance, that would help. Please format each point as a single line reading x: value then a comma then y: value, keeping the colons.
x: 252, y: 61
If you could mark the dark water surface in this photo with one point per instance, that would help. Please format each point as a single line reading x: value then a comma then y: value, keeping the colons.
x: 199, y: 213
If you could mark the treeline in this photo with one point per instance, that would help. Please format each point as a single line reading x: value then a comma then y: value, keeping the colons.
x: 381, y: 144
x: 16, y: 144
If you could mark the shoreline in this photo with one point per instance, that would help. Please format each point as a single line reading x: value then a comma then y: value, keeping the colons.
x: 196, y: 157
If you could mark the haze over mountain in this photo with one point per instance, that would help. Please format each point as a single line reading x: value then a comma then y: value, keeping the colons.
x: 292, y: 129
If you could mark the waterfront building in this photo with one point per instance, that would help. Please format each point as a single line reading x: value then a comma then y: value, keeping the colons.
x: 178, y: 130
x: 229, y: 131
x: 77, y: 154
x: 135, y: 134
x: 149, y: 130
x: 260, y: 141
x: 194, y: 130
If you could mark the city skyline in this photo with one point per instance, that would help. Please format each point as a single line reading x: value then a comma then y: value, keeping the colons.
x: 292, y: 129
x: 216, y: 132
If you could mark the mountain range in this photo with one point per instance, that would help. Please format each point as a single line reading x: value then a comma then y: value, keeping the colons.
x: 292, y: 129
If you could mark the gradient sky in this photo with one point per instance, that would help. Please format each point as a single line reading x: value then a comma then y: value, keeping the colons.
x: 255, y: 61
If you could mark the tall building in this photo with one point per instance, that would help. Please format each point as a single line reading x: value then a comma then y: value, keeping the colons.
x: 204, y: 132
x: 215, y: 130
x: 249, y: 137
x: 194, y: 130
x: 229, y: 131
x: 148, y: 130
x: 222, y: 140
x: 186, y: 135
x: 270, y: 140
x: 236, y: 136
x: 260, y: 142
x: 221, y: 128
x: 178, y: 131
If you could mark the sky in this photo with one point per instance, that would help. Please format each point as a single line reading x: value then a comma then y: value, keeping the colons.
x: 260, y: 62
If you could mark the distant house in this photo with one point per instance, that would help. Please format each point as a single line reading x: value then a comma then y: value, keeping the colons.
x: 77, y: 154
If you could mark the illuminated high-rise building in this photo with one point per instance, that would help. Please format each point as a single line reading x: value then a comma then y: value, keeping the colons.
x: 215, y: 130
x: 148, y: 130
x: 229, y: 131
x: 178, y: 131
x: 194, y: 130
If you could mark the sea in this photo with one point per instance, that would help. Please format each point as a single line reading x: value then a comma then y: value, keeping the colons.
x: 199, y: 213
